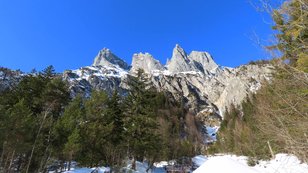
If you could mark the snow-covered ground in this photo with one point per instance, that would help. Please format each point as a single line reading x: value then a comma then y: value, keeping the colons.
x: 282, y: 163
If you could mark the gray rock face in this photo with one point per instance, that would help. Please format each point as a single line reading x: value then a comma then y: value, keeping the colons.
x: 194, y: 79
x: 204, y: 62
x: 106, y: 58
x: 180, y: 61
x: 84, y: 80
x: 9, y: 78
x: 201, y: 62
x: 145, y: 62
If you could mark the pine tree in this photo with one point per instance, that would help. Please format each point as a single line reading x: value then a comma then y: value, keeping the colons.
x: 18, y: 126
x: 48, y: 72
x: 72, y: 146
x: 140, y: 120
x: 45, y: 97
x: 66, y: 130
x: 95, y: 131
x: 115, y: 115
x: 291, y: 22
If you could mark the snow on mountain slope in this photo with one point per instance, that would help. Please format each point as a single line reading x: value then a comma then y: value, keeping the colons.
x: 103, y: 77
x: 282, y: 163
x: 204, y: 87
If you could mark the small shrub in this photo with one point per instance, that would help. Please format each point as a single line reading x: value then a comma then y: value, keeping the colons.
x: 251, y: 161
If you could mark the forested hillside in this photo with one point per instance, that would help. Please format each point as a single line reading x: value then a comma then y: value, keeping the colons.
x: 42, y: 126
x: 275, y: 119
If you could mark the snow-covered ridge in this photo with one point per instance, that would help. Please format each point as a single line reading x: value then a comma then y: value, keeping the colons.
x: 99, y: 71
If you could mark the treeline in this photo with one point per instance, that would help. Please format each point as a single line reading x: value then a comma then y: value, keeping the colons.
x: 42, y: 126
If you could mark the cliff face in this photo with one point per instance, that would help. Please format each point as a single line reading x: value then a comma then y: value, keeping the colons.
x: 204, y: 87
x: 195, y: 77
x: 106, y: 58
x: 146, y: 62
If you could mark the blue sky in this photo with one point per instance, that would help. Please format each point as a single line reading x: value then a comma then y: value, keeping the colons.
x: 69, y: 33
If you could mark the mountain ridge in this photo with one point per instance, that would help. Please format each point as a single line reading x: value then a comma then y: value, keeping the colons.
x: 180, y: 61
x: 205, y: 88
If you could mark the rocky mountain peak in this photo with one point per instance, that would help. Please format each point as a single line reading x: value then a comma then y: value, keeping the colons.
x: 180, y: 61
x: 204, y: 62
x: 146, y: 62
x: 179, y: 52
x: 106, y: 58
x: 194, y: 79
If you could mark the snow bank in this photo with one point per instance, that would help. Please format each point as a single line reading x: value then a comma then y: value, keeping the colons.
x: 199, y: 160
x: 224, y: 164
x: 87, y: 170
x: 283, y: 163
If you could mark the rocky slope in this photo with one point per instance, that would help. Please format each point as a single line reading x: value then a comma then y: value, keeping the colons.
x: 206, y: 88
x: 9, y: 78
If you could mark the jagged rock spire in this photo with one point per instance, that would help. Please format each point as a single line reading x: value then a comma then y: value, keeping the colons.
x: 180, y: 61
x: 146, y: 62
x: 203, y: 62
x: 106, y: 58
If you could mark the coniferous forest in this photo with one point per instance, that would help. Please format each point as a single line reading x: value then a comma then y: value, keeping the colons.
x: 42, y: 126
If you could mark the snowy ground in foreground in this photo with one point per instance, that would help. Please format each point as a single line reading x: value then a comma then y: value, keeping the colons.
x: 282, y: 163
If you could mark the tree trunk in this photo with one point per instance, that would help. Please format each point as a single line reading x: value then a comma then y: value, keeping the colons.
x: 19, y: 163
x: 69, y: 165
x: 134, y: 164
x: 271, y: 150
x: 35, y: 141
x: 2, y: 154
x: 11, y: 162
x: 70, y: 160
x: 6, y: 162
x: 45, y: 164
x: 44, y: 159
x: 151, y: 163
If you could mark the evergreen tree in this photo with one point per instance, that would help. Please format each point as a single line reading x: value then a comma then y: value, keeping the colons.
x: 291, y: 22
x: 115, y: 115
x: 72, y: 146
x: 48, y: 72
x: 18, y: 126
x: 95, y: 131
x: 44, y: 97
x: 66, y: 130
x: 141, y: 124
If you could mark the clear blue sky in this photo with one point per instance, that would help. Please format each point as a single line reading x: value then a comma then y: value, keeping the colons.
x: 69, y: 33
